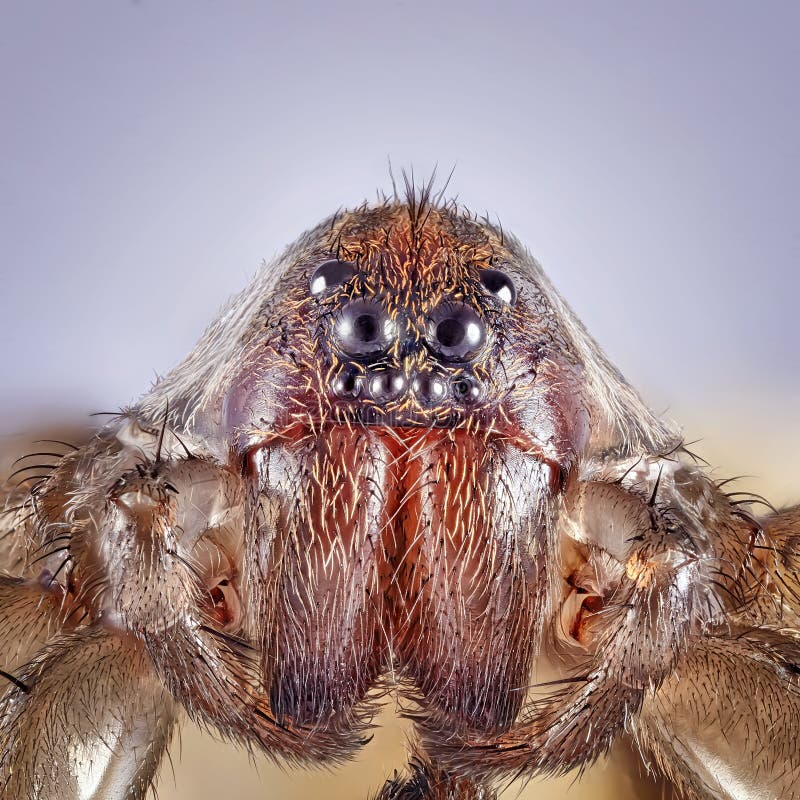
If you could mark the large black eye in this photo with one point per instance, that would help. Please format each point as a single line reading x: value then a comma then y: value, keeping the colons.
x: 499, y: 284
x: 363, y: 328
x: 456, y: 332
x: 330, y: 274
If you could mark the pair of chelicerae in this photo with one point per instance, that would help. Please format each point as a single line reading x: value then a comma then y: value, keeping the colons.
x: 396, y: 461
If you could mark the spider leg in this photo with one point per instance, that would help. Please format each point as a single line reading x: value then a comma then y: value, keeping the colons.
x: 660, y: 538
x: 157, y: 542
x: 777, y: 550
x: 15, y: 510
x: 34, y: 607
x: 725, y: 724
x: 88, y: 720
x: 153, y: 605
x: 83, y: 714
x: 31, y: 613
x: 167, y: 531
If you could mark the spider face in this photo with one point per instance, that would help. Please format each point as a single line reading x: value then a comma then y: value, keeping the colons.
x: 393, y: 324
x: 395, y: 357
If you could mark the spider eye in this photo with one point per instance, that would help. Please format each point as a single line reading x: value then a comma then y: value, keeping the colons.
x: 386, y: 385
x: 466, y: 389
x: 347, y: 384
x: 456, y: 332
x: 330, y: 274
x: 499, y: 284
x: 364, y: 328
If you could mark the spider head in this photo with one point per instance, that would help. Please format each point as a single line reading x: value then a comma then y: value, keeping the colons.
x: 394, y: 319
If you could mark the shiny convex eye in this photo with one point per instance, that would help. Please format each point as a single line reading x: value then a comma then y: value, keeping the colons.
x: 456, y: 332
x: 364, y: 328
x: 499, y: 284
x: 330, y: 274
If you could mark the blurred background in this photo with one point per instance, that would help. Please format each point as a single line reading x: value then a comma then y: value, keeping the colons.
x: 152, y: 154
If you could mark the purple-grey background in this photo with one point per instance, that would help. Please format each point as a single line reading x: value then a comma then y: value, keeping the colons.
x: 151, y: 154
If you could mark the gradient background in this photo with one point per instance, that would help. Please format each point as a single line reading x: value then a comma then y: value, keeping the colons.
x: 152, y: 154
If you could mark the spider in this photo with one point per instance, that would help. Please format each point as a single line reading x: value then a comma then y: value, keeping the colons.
x: 396, y: 462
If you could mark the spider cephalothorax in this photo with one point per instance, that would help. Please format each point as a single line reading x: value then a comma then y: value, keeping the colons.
x: 396, y: 461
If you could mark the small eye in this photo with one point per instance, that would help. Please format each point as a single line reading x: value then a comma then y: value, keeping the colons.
x: 456, y: 332
x: 499, y: 284
x: 364, y: 328
x: 330, y: 274
x: 429, y: 388
x: 466, y: 389
x: 347, y: 384
x: 386, y: 385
